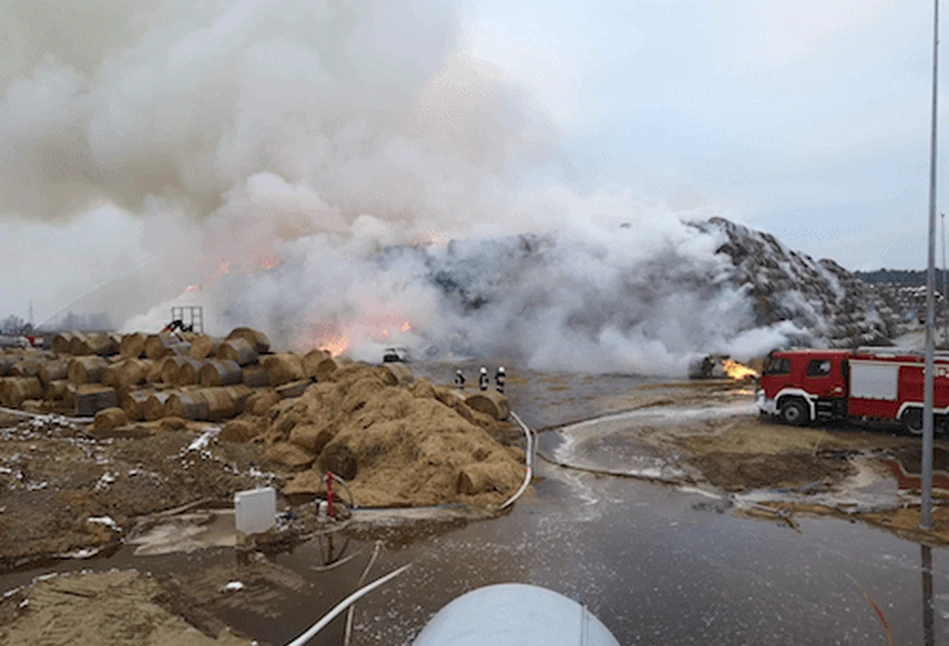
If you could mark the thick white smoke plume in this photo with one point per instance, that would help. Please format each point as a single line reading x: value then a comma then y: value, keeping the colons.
x: 288, y: 155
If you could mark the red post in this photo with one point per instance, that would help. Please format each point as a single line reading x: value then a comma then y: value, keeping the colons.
x: 329, y: 493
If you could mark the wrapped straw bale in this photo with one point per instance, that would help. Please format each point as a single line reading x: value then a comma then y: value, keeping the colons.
x: 109, y: 419
x: 16, y: 390
x: 153, y: 376
x: 62, y: 342
x: 282, y: 368
x: 26, y: 368
x: 158, y: 345
x: 490, y: 403
x: 170, y: 367
x: 240, y: 394
x: 219, y: 372
x: 482, y: 477
x: 242, y: 430
x: 255, y: 376
x: 89, y: 399
x: 131, y: 372
x: 259, y: 402
x: 7, y: 361
x: 154, y: 407
x: 188, y: 373
x: 257, y: 339
x: 396, y: 374
x: 220, y: 403
x: 53, y: 370
x: 238, y: 350
x: 311, y: 360
x: 102, y: 345
x: 203, y: 346
x: 294, y: 388
x: 55, y: 390
x: 77, y: 344
x: 187, y: 405
x: 133, y: 404
x: 132, y: 345
x: 329, y: 365
x: 86, y: 370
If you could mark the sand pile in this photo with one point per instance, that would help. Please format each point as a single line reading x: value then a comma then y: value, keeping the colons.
x: 396, y: 445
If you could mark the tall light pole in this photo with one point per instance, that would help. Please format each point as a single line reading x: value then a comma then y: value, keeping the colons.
x: 945, y: 288
x: 926, y: 508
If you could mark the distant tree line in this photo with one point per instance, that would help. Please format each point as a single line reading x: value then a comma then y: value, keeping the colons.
x: 15, y: 326
x: 911, y: 277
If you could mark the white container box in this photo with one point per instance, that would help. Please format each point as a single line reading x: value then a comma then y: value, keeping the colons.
x: 255, y: 510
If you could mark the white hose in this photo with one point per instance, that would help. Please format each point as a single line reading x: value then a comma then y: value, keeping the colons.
x: 23, y: 413
x: 343, y: 605
x: 529, y: 434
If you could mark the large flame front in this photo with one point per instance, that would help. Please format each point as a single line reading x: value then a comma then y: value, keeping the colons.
x: 736, y: 370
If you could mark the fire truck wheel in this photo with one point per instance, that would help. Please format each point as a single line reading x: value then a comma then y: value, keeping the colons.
x: 912, y: 421
x: 794, y: 412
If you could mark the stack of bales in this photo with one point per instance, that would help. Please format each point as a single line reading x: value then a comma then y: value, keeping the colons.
x: 154, y: 376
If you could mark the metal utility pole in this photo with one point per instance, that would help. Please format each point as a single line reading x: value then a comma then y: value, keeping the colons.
x: 926, y: 511
x: 945, y: 288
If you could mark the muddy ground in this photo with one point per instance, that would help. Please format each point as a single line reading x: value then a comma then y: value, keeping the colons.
x: 64, y: 494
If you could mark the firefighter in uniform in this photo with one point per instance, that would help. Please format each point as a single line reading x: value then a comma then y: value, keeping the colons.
x: 499, y: 378
x: 483, y: 378
x: 459, y: 379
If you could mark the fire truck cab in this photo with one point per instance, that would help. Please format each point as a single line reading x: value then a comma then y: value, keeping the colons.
x: 804, y: 386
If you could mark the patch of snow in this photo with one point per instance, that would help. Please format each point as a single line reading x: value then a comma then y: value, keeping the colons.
x: 103, y: 520
x: 233, y: 586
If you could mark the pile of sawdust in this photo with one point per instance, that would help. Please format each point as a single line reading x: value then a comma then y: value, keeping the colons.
x: 102, y: 609
x: 395, y: 445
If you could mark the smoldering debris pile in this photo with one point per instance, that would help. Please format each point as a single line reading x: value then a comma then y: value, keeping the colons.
x: 399, y: 442
x: 827, y: 303
x: 398, y: 445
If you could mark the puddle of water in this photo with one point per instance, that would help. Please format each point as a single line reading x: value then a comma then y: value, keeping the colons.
x: 187, y: 533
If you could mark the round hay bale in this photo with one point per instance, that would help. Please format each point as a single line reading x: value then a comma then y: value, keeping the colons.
x: 219, y: 372
x: 483, y: 477
x: 170, y: 367
x: 186, y: 405
x: 173, y: 423
x: 221, y: 404
x: 110, y: 376
x: 77, y: 344
x: 130, y: 372
x: 339, y: 459
x: 288, y: 455
x: 16, y: 390
x: 240, y: 394
x: 396, y: 374
x: 329, y: 365
x: 53, y: 370
x: 102, y: 345
x: 294, y: 388
x: 490, y: 403
x: 259, y: 403
x: 86, y: 370
x: 257, y: 339
x: 62, y: 342
x: 153, y: 376
x: 241, y: 430
x: 26, y: 368
x: 157, y: 345
x: 312, y: 438
x: 311, y: 360
x: 154, y: 408
x: 132, y: 346
x: 7, y: 361
x: 133, y: 404
x: 282, y: 368
x: 254, y: 376
x: 188, y: 373
x: 109, y: 419
x: 55, y: 390
x: 238, y: 350
x: 203, y: 346
x: 89, y: 399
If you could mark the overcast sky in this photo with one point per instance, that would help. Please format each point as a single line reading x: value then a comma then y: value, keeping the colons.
x: 805, y: 118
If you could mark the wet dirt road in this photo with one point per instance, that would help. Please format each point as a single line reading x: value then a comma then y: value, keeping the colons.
x: 657, y: 565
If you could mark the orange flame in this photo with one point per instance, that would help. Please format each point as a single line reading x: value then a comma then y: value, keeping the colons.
x: 335, y: 344
x: 736, y: 370
x: 406, y: 327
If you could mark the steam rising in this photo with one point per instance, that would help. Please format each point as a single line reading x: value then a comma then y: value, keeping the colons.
x: 332, y: 138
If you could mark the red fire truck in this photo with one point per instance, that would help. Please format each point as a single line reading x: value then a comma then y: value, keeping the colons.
x: 803, y: 386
